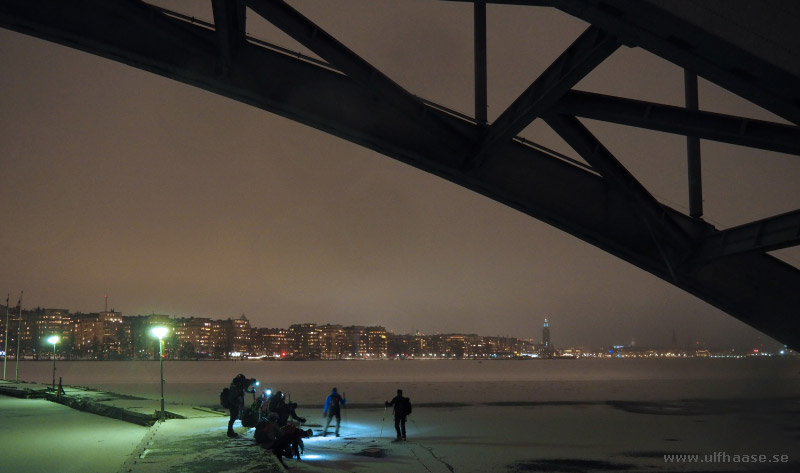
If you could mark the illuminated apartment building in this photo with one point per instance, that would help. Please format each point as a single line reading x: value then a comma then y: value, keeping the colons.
x: 241, y: 336
x: 193, y: 335
x: 331, y: 342
x: 271, y: 342
x: 305, y: 340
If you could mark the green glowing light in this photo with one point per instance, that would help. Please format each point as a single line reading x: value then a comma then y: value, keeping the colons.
x: 160, y: 332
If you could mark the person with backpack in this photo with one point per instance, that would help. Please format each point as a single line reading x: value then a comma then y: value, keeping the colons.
x: 236, y: 391
x: 333, y: 404
x: 402, y: 408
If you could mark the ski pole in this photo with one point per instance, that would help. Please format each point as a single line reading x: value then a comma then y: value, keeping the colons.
x: 344, y: 406
x: 382, y: 420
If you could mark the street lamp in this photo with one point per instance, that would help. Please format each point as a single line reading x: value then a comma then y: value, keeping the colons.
x: 161, y: 332
x: 53, y: 339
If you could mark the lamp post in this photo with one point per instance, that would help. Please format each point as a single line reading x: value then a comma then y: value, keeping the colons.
x: 53, y: 339
x: 161, y: 332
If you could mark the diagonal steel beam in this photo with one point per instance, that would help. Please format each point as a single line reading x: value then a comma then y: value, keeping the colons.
x: 657, y: 27
x: 591, y: 48
x: 773, y: 233
x: 707, y: 125
x: 772, y: 82
x: 304, y: 31
x: 593, y: 152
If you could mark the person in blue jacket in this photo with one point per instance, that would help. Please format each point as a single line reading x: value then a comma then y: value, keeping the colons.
x: 333, y: 407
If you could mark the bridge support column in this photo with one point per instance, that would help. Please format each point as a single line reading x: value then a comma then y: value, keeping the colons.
x: 693, y: 149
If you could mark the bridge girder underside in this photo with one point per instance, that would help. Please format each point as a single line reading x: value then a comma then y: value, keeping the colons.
x: 602, y: 204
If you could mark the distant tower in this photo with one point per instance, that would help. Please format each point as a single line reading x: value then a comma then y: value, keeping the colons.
x: 106, y: 302
x: 546, y: 335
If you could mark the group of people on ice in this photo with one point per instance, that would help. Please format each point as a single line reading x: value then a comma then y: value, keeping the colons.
x: 270, y: 414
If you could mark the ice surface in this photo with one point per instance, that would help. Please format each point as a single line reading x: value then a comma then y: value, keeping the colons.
x: 469, y: 416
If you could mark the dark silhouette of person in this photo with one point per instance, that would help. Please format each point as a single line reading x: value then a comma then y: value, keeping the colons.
x: 333, y: 408
x: 267, y: 431
x: 236, y: 391
x: 289, y: 410
x: 401, y: 410
x: 284, y: 441
x: 276, y: 401
x: 278, y: 405
x: 290, y: 442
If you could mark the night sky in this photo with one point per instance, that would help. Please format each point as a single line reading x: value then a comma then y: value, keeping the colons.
x: 173, y: 200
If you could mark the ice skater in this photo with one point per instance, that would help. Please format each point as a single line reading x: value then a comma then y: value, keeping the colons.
x: 402, y: 408
x: 333, y: 405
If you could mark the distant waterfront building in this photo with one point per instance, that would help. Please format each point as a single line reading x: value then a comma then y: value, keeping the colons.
x: 546, y: 348
x: 51, y: 322
x: 114, y: 339
x: 24, y: 330
x: 222, y: 338
x: 101, y: 334
x: 305, y: 340
x: 194, y: 336
x: 354, y: 339
x: 403, y: 345
x: 365, y: 342
x: 331, y: 341
x: 546, y: 335
x: 241, y: 336
x: 271, y: 342
x: 376, y: 344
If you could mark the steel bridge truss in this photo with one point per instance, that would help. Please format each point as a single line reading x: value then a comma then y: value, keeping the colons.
x: 603, y: 204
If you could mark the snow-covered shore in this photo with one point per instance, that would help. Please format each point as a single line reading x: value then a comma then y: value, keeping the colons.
x: 487, y: 425
x: 43, y: 436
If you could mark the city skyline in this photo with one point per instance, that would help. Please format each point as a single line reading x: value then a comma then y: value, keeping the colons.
x: 179, y: 201
x: 543, y: 339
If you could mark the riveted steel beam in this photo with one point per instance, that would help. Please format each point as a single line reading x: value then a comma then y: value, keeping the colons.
x: 303, y: 30
x: 591, y: 48
x: 658, y: 27
x: 773, y: 233
x: 663, y: 29
x: 602, y: 161
x: 706, y: 125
